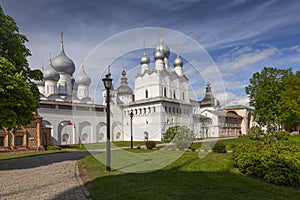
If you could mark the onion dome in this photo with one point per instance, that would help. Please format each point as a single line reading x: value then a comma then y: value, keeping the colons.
x: 63, y: 63
x: 83, y: 78
x: 51, y: 74
x: 38, y: 82
x: 124, y: 88
x: 163, y: 48
x: 145, y: 60
x: 178, y: 62
x: 158, y: 54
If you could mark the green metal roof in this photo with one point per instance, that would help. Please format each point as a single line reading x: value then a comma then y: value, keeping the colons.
x: 231, y: 107
x: 200, y: 116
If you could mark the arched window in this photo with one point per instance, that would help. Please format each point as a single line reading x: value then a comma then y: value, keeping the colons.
x: 101, y: 136
x: 84, y: 137
x: 144, y: 110
x: 146, y: 93
x: 118, y: 136
x: 65, y: 138
x: 149, y: 110
x: 165, y: 92
x: 146, y: 135
x: 153, y: 109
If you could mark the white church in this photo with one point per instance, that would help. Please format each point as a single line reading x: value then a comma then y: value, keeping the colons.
x: 160, y: 99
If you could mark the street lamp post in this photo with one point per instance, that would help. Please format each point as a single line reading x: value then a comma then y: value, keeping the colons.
x: 107, y: 84
x: 131, y: 137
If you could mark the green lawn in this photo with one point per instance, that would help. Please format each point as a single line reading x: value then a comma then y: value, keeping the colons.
x: 189, y: 177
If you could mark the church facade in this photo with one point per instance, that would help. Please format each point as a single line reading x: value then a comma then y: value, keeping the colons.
x: 160, y: 99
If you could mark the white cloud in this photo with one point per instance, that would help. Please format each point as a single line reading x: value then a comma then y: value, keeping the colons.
x: 229, y: 98
x: 245, y: 56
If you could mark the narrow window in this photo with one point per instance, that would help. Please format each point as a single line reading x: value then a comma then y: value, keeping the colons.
x: 165, y: 92
x: 174, y: 94
x: 146, y: 93
x: 183, y: 95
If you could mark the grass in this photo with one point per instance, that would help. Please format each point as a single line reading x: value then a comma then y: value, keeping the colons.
x: 5, y: 156
x: 189, y: 177
x: 229, y: 143
x: 102, y: 145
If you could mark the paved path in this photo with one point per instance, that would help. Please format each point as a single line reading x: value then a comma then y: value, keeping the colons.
x: 50, y: 176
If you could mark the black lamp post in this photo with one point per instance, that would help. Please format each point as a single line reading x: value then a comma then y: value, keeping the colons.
x: 131, y: 137
x: 108, y: 85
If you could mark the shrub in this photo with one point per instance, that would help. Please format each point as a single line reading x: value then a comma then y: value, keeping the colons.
x: 275, y: 163
x: 52, y: 148
x: 219, y: 147
x: 294, y: 133
x: 150, y: 145
x: 282, y: 135
x: 255, y: 133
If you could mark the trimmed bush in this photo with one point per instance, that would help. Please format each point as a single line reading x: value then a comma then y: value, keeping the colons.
x: 219, y: 147
x: 282, y: 135
x: 150, y: 145
x: 275, y: 163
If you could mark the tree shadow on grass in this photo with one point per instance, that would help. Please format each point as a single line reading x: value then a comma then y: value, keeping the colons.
x: 189, y: 178
x: 176, y: 184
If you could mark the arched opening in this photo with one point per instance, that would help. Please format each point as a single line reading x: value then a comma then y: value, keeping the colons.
x: 101, y: 132
x: 85, y: 132
x: 65, y: 138
x: 101, y: 137
x: 85, y: 137
x: 146, y: 136
x: 118, y: 135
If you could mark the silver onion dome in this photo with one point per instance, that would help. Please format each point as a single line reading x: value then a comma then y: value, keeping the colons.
x: 83, y: 78
x: 124, y: 88
x: 158, y: 54
x: 38, y: 82
x: 145, y: 60
x: 163, y: 48
x: 63, y: 63
x: 51, y: 74
x: 178, y: 62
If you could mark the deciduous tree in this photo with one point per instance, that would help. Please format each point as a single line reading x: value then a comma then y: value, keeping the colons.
x: 265, y: 94
x: 18, y: 95
x: 289, y: 108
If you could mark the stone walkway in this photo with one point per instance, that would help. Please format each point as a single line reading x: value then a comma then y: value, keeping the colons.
x: 50, y: 176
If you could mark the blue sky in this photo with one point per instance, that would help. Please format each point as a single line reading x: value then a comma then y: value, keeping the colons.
x: 241, y: 36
